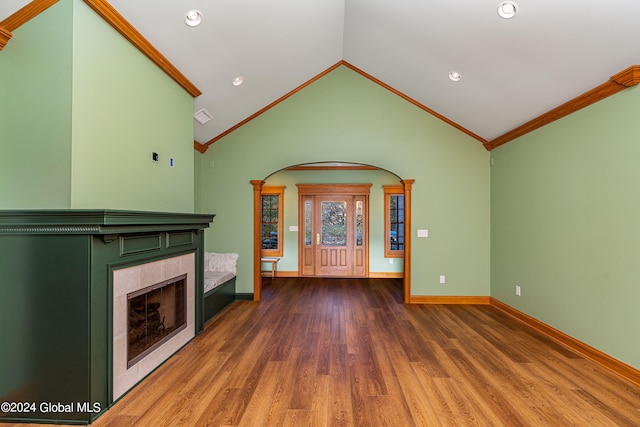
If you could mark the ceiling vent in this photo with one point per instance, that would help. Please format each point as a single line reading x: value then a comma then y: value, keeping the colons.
x: 202, y: 116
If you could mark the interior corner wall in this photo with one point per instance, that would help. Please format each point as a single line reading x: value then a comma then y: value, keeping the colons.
x: 82, y: 112
x: 35, y: 113
x: 565, y: 221
x: 124, y: 109
x: 346, y: 117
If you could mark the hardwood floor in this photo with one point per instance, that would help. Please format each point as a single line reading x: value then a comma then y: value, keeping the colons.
x: 329, y: 352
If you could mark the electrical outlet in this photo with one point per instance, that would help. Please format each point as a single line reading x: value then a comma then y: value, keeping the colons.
x: 518, y: 290
x: 442, y: 280
x: 390, y: 260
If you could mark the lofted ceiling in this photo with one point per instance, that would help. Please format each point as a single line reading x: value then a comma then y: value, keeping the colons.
x: 512, y: 70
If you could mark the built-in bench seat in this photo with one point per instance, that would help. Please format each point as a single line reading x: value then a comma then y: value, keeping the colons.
x: 213, y: 279
x: 219, y: 282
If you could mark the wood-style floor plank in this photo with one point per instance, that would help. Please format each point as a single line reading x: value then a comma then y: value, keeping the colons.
x: 337, y: 352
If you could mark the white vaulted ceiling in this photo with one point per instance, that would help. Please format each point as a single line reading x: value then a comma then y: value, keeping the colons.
x: 512, y: 70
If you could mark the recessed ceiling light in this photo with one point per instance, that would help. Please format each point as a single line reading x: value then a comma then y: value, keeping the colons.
x: 455, y: 76
x: 193, y: 18
x: 237, y: 81
x: 507, y: 9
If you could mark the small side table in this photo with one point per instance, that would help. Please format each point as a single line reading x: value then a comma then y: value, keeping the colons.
x: 274, y: 265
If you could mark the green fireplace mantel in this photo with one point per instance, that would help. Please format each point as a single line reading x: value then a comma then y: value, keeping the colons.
x: 102, y: 222
x: 56, y: 301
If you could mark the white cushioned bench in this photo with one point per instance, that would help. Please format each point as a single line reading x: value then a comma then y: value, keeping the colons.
x: 219, y: 282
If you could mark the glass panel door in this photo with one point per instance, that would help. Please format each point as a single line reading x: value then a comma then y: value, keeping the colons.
x: 308, y: 231
x: 334, y: 230
x: 306, y: 248
x: 333, y: 239
x: 334, y: 223
x: 359, y: 223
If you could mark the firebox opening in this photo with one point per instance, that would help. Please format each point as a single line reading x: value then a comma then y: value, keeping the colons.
x: 156, y: 313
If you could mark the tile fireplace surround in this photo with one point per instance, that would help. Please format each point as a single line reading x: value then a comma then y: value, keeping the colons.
x: 61, y: 272
x: 128, y: 280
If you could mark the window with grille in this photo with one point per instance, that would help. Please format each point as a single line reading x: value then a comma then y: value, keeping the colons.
x: 394, y: 222
x: 272, y: 215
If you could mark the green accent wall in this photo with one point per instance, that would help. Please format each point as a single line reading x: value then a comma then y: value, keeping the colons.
x: 566, y: 225
x: 124, y: 109
x: 85, y: 110
x: 346, y: 117
x: 35, y: 112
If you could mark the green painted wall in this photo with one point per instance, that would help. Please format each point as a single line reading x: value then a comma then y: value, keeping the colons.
x: 125, y: 108
x: 346, y: 117
x: 377, y: 261
x: 566, y: 225
x: 82, y: 111
x: 35, y: 113
x: 197, y: 183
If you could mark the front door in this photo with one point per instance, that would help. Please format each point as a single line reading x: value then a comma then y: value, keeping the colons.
x: 334, y: 230
x: 334, y: 234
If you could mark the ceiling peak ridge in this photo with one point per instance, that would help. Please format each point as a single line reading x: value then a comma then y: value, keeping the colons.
x: 616, y: 83
x: 202, y: 148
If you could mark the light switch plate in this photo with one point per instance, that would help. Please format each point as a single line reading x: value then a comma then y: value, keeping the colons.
x: 293, y: 228
x: 423, y: 233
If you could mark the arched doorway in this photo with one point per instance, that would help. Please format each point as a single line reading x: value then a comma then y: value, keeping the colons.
x: 406, y: 185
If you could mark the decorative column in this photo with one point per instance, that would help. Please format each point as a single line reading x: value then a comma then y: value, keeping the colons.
x: 407, y: 183
x: 257, y: 241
